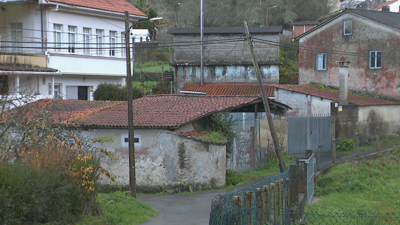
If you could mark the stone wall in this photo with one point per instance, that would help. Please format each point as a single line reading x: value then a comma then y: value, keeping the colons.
x: 164, y: 161
x: 243, y: 154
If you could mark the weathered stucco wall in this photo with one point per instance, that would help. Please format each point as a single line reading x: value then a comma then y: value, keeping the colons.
x: 243, y: 154
x: 382, y: 120
x: 367, y: 36
x: 263, y: 137
x: 302, y: 104
x: 225, y: 74
x: 164, y: 160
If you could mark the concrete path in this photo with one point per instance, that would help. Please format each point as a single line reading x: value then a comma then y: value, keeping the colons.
x: 186, y: 209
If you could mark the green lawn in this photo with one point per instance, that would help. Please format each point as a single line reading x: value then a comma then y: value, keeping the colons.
x: 123, y: 210
x: 361, y: 187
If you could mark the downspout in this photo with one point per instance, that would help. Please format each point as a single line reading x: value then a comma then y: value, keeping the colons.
x: 41, y: 27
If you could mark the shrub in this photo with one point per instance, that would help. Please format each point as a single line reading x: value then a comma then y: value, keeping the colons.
x: 345, y: 145
x: 115, y: 92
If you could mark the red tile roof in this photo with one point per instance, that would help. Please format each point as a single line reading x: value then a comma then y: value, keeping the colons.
x: 108, y: 5
x: 229, y: 89
x: 154, y: 111
x: 334, y: 95
x: 383, y: 5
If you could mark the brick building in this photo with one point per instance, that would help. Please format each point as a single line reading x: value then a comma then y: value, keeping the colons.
x: 368, y: 39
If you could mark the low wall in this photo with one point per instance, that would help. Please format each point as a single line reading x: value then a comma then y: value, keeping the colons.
x: 164, y: 161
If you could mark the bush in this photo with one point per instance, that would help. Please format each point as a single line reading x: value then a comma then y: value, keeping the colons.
x: 345, y: 145
x: 115, y: 92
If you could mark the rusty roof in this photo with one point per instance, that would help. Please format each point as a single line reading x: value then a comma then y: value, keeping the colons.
x: 333, y: 94
x: 119, y: 6
x: 229, y: 89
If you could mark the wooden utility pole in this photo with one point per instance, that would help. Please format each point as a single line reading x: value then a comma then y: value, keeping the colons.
x: 265, y: 100
x: 131, y: 133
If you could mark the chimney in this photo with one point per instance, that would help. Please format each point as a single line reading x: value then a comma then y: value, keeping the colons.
x: 343, y: 88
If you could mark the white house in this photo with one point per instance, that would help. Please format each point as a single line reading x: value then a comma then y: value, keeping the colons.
x: 62, y: 48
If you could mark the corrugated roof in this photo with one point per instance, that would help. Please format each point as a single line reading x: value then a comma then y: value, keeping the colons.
x: 227, y: 30
x: 229, y: 89
x: 119, y: 6
x: 334, y: 95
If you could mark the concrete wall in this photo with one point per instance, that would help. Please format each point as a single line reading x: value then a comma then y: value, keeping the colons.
x: 164, y: 161
x: 263, y: 138
x: 224, y: 74
x: 302, y: 104
x: 367, y: 36
x: 243, y: 156
x: 382, y: 120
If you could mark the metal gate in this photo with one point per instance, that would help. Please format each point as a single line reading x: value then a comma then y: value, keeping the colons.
x: 306, y: 133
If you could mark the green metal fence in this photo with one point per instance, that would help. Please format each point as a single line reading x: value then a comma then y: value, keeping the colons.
x: 344, y: 218
x: 262, y: 203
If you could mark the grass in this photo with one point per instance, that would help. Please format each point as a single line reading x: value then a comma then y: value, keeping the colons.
x: 146, y: 85
x: 124, y: 210
x: 269, y: 168
x: 387, y: 142
x: 361, y: 187
x: 152, y: 66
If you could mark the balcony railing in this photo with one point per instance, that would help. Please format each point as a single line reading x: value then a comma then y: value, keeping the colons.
x: 10, y: 44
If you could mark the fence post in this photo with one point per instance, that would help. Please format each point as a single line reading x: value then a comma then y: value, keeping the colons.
x: 237, y: 215
x: 267, y: 202
x: 294, y: 185
x: 334, y: 151
x: 320, y: 147
x: 357, y: 146
x: 248, y: 202
x: 260, y: 206
x: 377, y: 143
x: 273, y: 203
x: 287, y: 199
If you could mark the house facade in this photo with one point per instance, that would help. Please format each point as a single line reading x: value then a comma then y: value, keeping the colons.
x: 226, y: 55
x: 62, y: 48
x: 368, y: 39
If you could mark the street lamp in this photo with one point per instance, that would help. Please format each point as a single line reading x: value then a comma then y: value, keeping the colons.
x: 267, y: 22
x: 131, y: 133
x: 177, y: 12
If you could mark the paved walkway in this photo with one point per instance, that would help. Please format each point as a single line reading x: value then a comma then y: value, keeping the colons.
x: 186, y: 209
x: 194, y: 209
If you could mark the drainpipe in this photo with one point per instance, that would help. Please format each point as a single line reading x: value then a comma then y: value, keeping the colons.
x: 343, y: 84
x: 202, y: 46
x: 41, y: 26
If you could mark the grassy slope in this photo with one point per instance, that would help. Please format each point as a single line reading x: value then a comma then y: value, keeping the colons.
x: 361, y: 187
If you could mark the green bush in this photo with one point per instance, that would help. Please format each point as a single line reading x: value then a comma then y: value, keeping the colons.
x: 31, y: 195
x: 345, y: 145
x: 115, y: 92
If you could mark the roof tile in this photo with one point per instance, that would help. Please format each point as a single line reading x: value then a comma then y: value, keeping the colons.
x: 108, y: 5
x: 334, y: 95
x: 230, y: 89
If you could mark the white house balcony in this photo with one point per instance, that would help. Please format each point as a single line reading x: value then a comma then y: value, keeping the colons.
x: 23, y: 45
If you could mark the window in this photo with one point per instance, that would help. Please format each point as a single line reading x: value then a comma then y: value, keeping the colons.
x: 375, y: 59
x: 3, y: 84
x: 125, y: 140
x: 57, y: 37
x: 57, y: 91
x: 16, y: 36
x: 71, y: 39
x: 113, y: 40
x: 99, y: 41
x: 348, y: 27
x: 123, y: 44
x: 86, y: 40
x: 321, y: 61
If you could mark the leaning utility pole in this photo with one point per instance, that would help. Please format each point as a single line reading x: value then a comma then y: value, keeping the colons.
x: 265, y: 100
x: 131, y: 133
